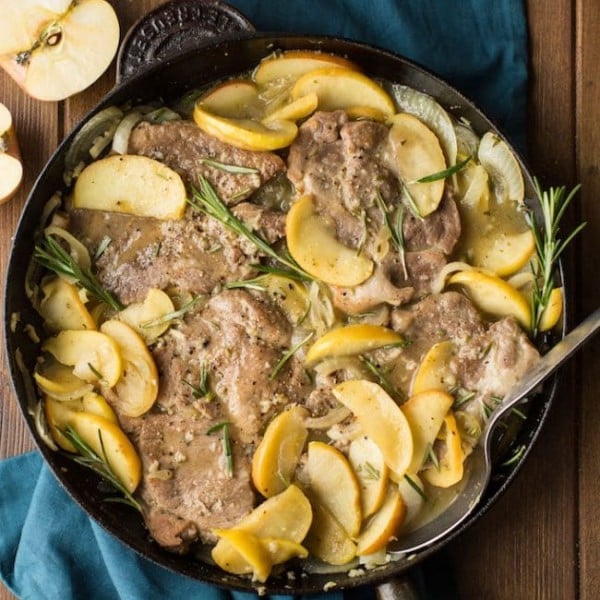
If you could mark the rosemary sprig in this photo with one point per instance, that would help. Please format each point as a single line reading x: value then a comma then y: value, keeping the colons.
x: 446, y: 172
x: 415, y: 486
x: 202, y: 390
x: 105, y: 242
x: 255, y: 284
x: 207, y: 201
x: 224, y: 428
x: 412, y: 205
x: 380, y: 376
x: 234, y: 169
x: 99, y: 464
x: 395, y: 229
x: 51, y: 255
x: 461, y: 396
x: 289, y: 355
x: 516, y: 456
x: 176, y: 314
x: 432, y: 456
x: 371, y: 473
x: 548, y: 246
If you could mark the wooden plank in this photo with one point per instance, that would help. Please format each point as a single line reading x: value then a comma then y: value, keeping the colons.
x: 588, y: 156
x: 525, y: 546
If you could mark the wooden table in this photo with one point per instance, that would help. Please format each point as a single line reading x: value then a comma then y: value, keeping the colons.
x: 542, y: 540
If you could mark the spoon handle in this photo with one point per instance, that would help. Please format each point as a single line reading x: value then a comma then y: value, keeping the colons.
x: 553, y: 359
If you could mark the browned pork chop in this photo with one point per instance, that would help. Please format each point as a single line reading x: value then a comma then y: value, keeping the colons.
x: 184, y: 147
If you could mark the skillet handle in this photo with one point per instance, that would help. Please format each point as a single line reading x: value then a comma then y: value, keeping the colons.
x: 176, y: 27
x: 400, y: 588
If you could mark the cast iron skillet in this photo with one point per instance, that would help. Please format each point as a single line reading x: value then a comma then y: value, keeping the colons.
x: 170, y: 79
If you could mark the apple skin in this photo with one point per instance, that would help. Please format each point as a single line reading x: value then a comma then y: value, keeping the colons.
x: 11, y: 167
x: 54, y: 49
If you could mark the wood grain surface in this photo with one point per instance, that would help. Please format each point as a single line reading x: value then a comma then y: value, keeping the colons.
x: 542, y: 539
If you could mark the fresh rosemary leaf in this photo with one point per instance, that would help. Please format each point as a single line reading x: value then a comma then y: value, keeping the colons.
x: 516, y: 456
x: 446, y: 172
x: 224, y: 427
x: 202, y: 390
x: 395, y: 230
x: 51, y: 255
x: 380, y: 376
x: 415, y: 486
x: 461, y: 396
x: 412, y: 205
x: 176, y: 314
x: 431, y: 455
x: 95, y: 371
x: 289, y: 355
x: 371, y: 472
x: 99, y: 464
x: 549, y: 247
x: 102, y: 246
x: 207, y: 201
x: 248, y: 284
x: 235, y: 169
x: 278, y: 271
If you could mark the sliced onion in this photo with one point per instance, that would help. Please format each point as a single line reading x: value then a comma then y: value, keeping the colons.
x: 467, y: 140
x: 477, y: 186
x: 77, y: 250
x: 431, y: 113
x: 520, y: 280
x: 161, y: 115
x: 439, y: 282
x: 333, y: 417
x: 502, y: 167
x: 120, y: 140
x: 321, y: 315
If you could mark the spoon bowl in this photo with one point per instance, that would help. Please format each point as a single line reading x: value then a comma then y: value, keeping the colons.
x: 480, y: 463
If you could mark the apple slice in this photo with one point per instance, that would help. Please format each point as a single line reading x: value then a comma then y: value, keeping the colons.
x: 333, y: 484
x: 384, y: 525
x: 451, y: 462
x: 231, y: 99
x: 62, y: 308
x: 57, y: 380
x: 11, y: 168
x: 54, y: 49
x: 434, y: 372
x: 313, y: 245
x: 131, y: 184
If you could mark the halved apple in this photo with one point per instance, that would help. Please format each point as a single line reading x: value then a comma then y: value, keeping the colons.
x: 276, y: 457
x: 94, y: 355
x: 493, y: 295
x: 425, y: 413
x: 353, y: 339
x: 333, y: 484
x: 384, y: 525
x: 137, y: 387
x: 62, y: 308
x: 381, y: 419
x: 417, y: 154
x: 339, y: 88
x: 373, y: 474
x: 313, y: 245
x: 11, y: 167
x: 131, y: 184
x: 56, y: 48
x: 108, y: 441
x: 292, y: 64
x: 145, y: 316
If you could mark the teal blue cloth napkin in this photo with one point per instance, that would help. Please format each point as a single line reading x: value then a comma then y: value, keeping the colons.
x: 49, y: 549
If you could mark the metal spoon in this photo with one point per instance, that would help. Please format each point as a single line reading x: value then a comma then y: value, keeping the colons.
x: 480, y: 461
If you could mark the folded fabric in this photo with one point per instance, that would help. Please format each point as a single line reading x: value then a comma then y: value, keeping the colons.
x: 49, y: 549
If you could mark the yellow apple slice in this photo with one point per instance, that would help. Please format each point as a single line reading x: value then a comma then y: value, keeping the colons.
x: 134, y: 185
x: 451, y: 462
x: 231, y: 99
x: 108, y: 441
x: 137, y: 388
x: 62, y: 308
x: 58, y: 415
x: 292, y: 64
x: 493, y: 295
x: 327, y: 540
x: 473, y: 187
x: 11, y: 167
x: 251, y: 550
x: 295, y: 110
x: 553, y: 310
x: 288, y: 294
x: 246, y: 133
x: 381, y: 419
x: 507, y: 254
x: 57, y: 380
x: 94, y: 355
x: 425, y: 413
x: 70, y: 49
x: 276, y: 457
x: 353, y: 339
x: 339, y: 88
x: 287, y: 516
x: 417, y: 153
x: 147, y: 317
x: 358, y: 113
x: 373, y: 474
x: 333, y: 484
x: 385, y: 524
x: 313, y: 245
x: 433, y: 372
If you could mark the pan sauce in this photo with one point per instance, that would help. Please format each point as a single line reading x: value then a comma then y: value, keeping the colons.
x: 421, y: 317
